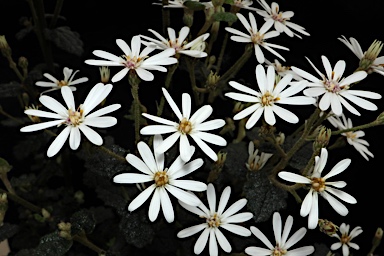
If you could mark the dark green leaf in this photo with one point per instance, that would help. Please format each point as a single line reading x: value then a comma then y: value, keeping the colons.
x: 8, y: 230
x: 225, y: 16
x: 193, y: 5
x: 66, y: 39
x: 82, y: 220
x: 53, y: 245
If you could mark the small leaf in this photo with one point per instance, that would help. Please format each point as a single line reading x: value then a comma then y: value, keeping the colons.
x: 10, y: 89
x: 66, y: 39
x: 82, y: 220
x: 225, y: 16
x: 193, y: 5
x: 7, y: 231
x: 53, y: 245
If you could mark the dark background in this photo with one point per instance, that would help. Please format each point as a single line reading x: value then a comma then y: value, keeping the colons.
x: 100, y: 24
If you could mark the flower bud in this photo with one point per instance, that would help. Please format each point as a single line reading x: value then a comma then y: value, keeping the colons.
x: 323, y: 137
x: 370, y: 55
x: 4, y: 47
x: 377, y: 237
x: 4, y: 166
x: 212, y: 80
x: 23, y: 62
x: 104, y: 74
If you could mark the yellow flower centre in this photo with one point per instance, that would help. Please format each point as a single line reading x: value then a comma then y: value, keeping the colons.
x: 185, y: 126
x: 161, y: 178
x: 351, y: 135
x: 267, y: 99
x: 74, y: 117
x: 345, y: 239
x: 277, y: 251
x: 62, y: 83
x: 257, y: 38
x: 278, y: 16
x: 318, y: 184
x: 214, y: 221
x: 132, y: 62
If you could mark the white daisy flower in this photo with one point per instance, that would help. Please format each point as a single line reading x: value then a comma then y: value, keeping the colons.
x: 216, y: 219
x: 165, y: 180
x: 244, y: 4
x: 369, y: 58
x: 256, y: 37
x: 346, y: 239
x: 255, y: 161
x: 267, y: 99
x: 353, y: 138
x: 280, y: 19
x: 320, y: 186
x: 180, y: 44
x: 75, y: 119
x: 135, y: 61
x: 281, y: 238
x: 335, y: 90
x: 188, y: 125
x: 282, y: 70
x: 56, y: 84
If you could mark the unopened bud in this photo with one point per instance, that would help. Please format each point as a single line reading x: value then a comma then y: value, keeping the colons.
x: 370, y: 55
x: 23, y: 62
x: 4, y: 166
x: 280, y: 138
x: 380, y: 118
x: 104, y: 74
x: 64, y: 226
x: 34, y: 119
x: 238, y: 107
x: 4, y: 47
x: 188, y: 17
x: 377, y: 237
x: 212, y: 80
x: 323, y: 137
x: 217, y: 2
x: 221, y: 157
x: 45, y: 214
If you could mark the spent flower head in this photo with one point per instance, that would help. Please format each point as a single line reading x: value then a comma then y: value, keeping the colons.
x: 283, y: 244
x: 268, y: 99
x: 215, y: 219
x: 74, y: 119
x: 319, y: 185
x: 56, y: 84
x: 255, y: 161
x: 333, y: 90
x: 345, y: 239
x: 180, y: 44
x: 164, y: 180
x: 256, y: 36
x: 193, y: 126
x: 135, y: 60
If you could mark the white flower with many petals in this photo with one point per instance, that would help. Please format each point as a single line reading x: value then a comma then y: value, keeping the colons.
x: 180, y: 44
x: 267, y: 100
x: 256, y: 37
x: 244, y: 4
x: 345, y: 240
x: 135, y: 61
x: 75, y: 119
x: 255, y: 161
x: 56, y: 84
x: 216, y: 218
x: 165, y: 180
x: 281, y: 19
x: 188, y: 125
x: 353, y: 138
x: 335, y: 90
x: 368, y: 59
x: 281, y: 237
x: 320, y: 186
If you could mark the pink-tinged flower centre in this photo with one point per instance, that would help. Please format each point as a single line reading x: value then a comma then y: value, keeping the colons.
x: 132, y: 62
x: 74, y: 117
x: 278, y: 251
x: 161, y: 178
x: 278, y: 16
x: 176, y: 45
x: 318, y: 184
x: 213, y: 221
x: 332, y: 86
x: 268, y: 99
x: 185, y: 126
x: 257, y: 38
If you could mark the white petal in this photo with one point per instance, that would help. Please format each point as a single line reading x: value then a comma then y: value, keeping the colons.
x: 40, y: 126
x: 262, y: 237
x: 223, y: 242
x: 105, y: 110
x: 223, y: 200
x: 141, y: 198
x: 191, y: 230
x: 201, y: 242
x: 183, y: 196
x: 91, y: 135
x: 236, y: 229
x: 131, y: 178
x: 59, y: 141
x: 154, y: 207
x: 100, y: 121
x: 74, y: 138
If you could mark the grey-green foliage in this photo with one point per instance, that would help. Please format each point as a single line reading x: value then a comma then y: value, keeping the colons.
x: 66, y: 39
x: 263, y: 197
x: 51, y: 244
x: 82, y: 220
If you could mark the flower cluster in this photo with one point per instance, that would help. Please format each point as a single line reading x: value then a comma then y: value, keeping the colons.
x: 181, y: 152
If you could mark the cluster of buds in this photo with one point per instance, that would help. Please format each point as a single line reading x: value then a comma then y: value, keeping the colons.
x: 65, y: 230
x: 212, y: 80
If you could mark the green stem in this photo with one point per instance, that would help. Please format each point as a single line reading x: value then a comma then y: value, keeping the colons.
x: 56, y: 13
x: 134, y: 82
x: 82, y: 238
x: 357, y: 128
x: 167, y: 84
x: 7, y: 183
x: 22, y: 201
